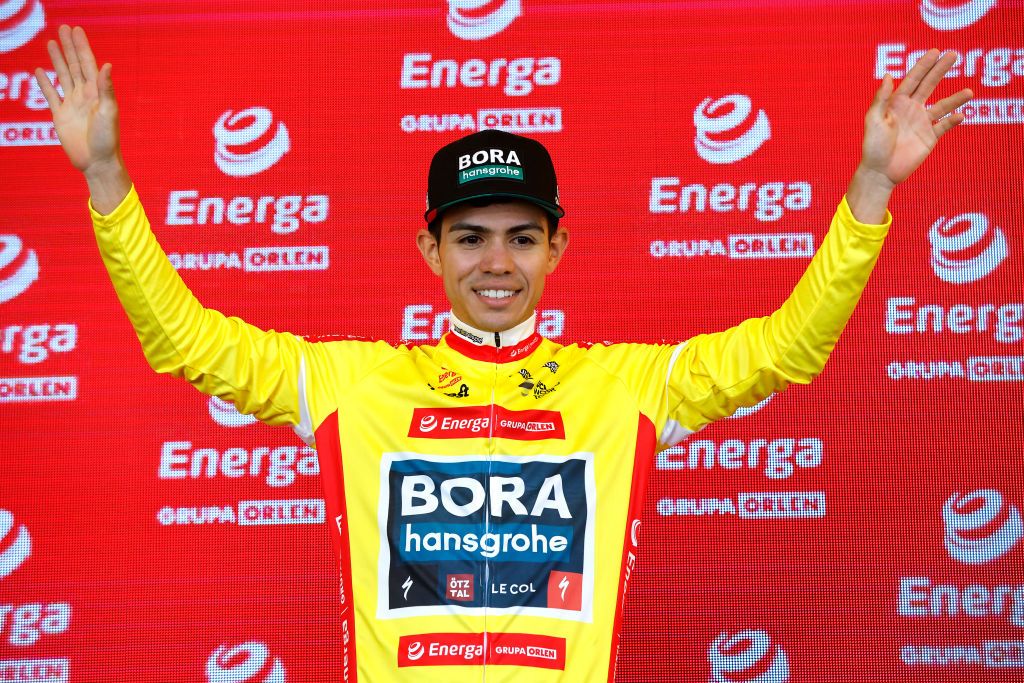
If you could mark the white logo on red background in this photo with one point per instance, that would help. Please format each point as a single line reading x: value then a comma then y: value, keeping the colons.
x: 748, y: 656
x: 15, y: 544
x: 750, y: 410
x: 480, y: 19
x: 226, y: 415
x: 726, y: 132
x: 20, y: 21
x: 468, y: 422
x: 965, y: 249
x: 249, y: 662
x: 415, y: 651
x: 946, y: 16
x: 245, y: 143
x: 19, y: 267
x: 980, y: 526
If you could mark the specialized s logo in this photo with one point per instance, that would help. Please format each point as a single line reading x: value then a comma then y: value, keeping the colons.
x: 20, y: 21
x: 748, y: 656
x: 238, y: 133
x: 725, y: 133
x: 981, y: 526
x: 480, y: 19
x: 246, y: 663
x: 965, y: 249
x: 950, y: 16
x: 486, y: 421
x: 514, y: 533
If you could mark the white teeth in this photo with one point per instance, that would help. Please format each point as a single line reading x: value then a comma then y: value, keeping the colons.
x: 496, y: 293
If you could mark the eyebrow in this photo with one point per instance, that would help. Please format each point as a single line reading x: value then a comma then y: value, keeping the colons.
x: 480, y: 229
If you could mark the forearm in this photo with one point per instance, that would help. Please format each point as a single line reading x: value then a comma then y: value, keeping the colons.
x: 868, y: 195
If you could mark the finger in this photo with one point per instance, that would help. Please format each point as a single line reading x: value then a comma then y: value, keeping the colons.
x: 71, y: 55
x: 947, y: 124
x: 81, y: 42
x: 913, y: 78
x: 49, y: 92
x: 932, y: 77
x: 948, y: 104
x: 59, y: 65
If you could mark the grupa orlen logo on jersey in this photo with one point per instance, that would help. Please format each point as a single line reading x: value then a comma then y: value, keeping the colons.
x: 965, y: 248
x: 747, y: 656
x: 250, y: 662
x: 980, y: 526
x: 726, y: 131
x: 15, y: 544
x: 947, y: 16
x: 20, y: 21
x: 248, y: 142
x: 226, y: 415
x: 481, y: 19
x: 19, y: 267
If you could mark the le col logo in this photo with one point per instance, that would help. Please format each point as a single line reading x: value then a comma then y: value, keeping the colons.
x: 726, y: 131
x: 965, y: 248
x: 226, y: 415
x: 249, y: 662
x: 480, y: 19
x: 947, y: 16
x: 20, y: 21
x: 749, y: 656
x: 15, y: 542
x: 19, y: 267
x: 235, y: 131
x: 980, y: 526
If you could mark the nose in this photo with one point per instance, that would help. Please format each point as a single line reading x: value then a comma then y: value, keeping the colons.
x: 497, y: 258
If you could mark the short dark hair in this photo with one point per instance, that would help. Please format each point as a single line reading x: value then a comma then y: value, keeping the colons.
x: 434, y: 227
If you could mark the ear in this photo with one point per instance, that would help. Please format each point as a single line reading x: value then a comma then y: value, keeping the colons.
x: 556, y: 248
x: 430, y: 249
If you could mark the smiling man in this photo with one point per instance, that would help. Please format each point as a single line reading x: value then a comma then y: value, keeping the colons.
x: 485, y: 493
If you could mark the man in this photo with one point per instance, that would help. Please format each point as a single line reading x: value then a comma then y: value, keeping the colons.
x: 485, y: 493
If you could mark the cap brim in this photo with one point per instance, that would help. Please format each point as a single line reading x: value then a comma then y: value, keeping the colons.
x: 553, y: 209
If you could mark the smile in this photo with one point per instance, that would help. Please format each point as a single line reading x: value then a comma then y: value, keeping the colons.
x: 496, y: 293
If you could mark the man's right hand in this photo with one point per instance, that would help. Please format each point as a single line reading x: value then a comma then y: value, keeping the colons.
x: 86, y: 119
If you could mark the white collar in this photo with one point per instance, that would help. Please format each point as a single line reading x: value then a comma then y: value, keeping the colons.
x: 509, y: 337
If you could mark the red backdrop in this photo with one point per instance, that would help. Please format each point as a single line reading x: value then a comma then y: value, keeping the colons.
x: 866, y: 527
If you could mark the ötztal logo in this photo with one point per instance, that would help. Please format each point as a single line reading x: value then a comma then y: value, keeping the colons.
x: 980, y: 526
x: 249, y: 662
x: 726, y: 131
x: 480, y: 19
x: 965, y: 249
x: 950, y: 16
x: 248, y: 142
x: 748, y: 656
x: 225, y: 414
x: 15, y: 544
x: 19, y: 267
x: 20, y: 21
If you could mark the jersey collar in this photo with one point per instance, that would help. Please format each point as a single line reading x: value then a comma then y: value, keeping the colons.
x: 494, y: 347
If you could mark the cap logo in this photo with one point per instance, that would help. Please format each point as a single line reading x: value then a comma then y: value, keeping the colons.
x: 490, y: 163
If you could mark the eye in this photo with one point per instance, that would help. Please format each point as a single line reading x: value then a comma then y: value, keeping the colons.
x: 470, y: 239
x: 523, y: 240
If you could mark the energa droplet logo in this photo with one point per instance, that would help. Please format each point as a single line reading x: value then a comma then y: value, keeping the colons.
x: 20, y: 21
x: 225, y: 414
x: 19, y: 267
x: 980, y: 526
x: 15, y: 544
x: 748, y: 656
x: 249, y: 662
x: 248, y: 142
x: 746, y: 411
x: 965, y: 249
x: 947, y: 16
x: 480, y: 19
x: 726, y: 131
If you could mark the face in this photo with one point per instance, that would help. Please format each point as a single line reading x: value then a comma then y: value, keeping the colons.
x: 493, y: 261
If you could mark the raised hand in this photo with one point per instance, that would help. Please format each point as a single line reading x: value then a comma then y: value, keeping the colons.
x: 899, y: 130
x: 86, y: 119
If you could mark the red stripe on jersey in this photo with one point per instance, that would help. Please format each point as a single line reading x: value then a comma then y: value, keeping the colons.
x: 646, y: 441
x: 332, y: 477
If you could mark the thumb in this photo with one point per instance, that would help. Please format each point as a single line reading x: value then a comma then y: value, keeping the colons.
x: 106, y: 84
x: 883, y: 92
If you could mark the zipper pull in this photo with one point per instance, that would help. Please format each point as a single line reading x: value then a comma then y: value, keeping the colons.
x: 497, y: 340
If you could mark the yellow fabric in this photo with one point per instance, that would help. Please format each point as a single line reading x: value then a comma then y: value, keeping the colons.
x: 602, y: 396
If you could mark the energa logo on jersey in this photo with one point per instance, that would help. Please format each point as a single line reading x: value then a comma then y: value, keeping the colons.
x: 248, y: 142
x: 249, y: 662
x: 20, y: 21
x: 726, y: 131
x: 965, y: 249
x: 479, y: 534
x: 480, y: 19
x: 226, y: 415
x: 747, y: 656
x: 19, y: 267
x: 15, y: 544
x: 950, y: 16
x: 980, y: 526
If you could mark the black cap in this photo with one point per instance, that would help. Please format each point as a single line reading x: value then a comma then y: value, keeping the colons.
x: 492, y: 163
